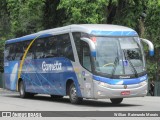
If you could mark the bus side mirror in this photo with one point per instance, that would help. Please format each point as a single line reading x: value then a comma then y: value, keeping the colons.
x: 150, y: 45
x: 91, y: 45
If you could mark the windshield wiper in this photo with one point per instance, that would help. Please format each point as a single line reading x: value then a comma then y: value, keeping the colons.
x: 115, y: 66
x: 134, y: 69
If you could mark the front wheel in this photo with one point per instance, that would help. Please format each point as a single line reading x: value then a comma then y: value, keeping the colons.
x: 74, y: 99
x: 116, y: 100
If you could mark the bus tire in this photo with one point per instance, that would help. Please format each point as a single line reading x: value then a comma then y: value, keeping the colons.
x: 116, y: 100
x: 22, y: 92
x: 56, y: 96
x: 74, y: 99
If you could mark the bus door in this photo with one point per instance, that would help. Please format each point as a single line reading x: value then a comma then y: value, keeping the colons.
x: 85, y: 60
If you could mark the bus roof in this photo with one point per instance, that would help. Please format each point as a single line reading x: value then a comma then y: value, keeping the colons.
x: 94, y: 29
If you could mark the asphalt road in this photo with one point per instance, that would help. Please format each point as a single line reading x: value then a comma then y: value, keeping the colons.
x: 10, y: 101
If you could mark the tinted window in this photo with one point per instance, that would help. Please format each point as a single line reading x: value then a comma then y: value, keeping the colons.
x: 39, y: 48
x: 43, y: 48
x: 77, y: 38
x: 30, y: 53
x: 83, y: 50
x: 54, y: 46
x: 19, y: 51
x: 15, y: 51
x: 50, y: 47
x: 86, y: 62
x: 65, y: 47
x: 9, y: 52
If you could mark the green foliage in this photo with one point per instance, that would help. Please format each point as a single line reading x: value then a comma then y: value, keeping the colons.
x: 152, y: 70
x: 152, y: 31
x: 4, y: 19
x: 21, y: 17
x: 83, y: 11
x: 129, y: 12
x: 52, y: 17
x: 152, y: 22
x: 2, y: 41
x: 25, y: 16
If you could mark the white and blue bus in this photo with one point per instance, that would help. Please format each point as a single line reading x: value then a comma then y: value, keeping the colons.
x: 91, y: 61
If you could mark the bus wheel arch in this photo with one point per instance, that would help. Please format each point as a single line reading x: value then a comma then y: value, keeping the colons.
x: 72, y: 92
x: 68, y: 84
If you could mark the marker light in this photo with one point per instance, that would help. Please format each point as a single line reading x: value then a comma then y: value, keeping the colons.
x: 93, y: 39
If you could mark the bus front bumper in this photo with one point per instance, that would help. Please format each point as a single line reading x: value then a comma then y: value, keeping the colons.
x: 104, y: 90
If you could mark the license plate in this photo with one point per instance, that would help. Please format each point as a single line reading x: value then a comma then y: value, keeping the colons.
x: 125, y: 93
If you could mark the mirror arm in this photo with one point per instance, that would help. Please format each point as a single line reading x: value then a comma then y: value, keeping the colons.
x: 90, y: 42
x: 150, y: 44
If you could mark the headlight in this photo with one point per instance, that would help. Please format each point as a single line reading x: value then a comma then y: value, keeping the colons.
x: 143, y: 83
x: 102, y: 84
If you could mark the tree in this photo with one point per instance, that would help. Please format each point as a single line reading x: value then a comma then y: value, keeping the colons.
x: 52, y: 17
x: 22, y: 17
x: 83, y: 11
x: 4, y: 29
x: 25, y: 16
x: 4, y: 19
x: 152, y: 31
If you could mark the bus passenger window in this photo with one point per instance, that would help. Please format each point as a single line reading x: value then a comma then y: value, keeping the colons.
x: 19, y: 51
x: 30, y: 54
x: 24, y: 46
x: 51, y: 47
x: 66, y: 47
x: 6, y: 52
x: 39, y: 48
x: 9, y: 52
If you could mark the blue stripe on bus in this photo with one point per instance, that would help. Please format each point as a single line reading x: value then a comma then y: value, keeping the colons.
x: 93, y: 53
x: 114, y: 33
x: 37, y: 80
x: 28, y: 37
x: 120, y: 81
x: 151, y: 52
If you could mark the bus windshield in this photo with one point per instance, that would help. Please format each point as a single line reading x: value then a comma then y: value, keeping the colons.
x: 119, y: 56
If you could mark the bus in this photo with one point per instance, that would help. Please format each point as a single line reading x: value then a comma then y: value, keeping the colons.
x: 91, y: 61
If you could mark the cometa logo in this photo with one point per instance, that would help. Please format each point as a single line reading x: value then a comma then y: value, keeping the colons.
x: 51, y: 67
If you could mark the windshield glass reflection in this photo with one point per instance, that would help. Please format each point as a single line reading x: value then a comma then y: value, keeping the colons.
x: 119, y: 56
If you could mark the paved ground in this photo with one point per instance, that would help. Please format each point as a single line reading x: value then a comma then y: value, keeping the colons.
x: 10, y: 101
